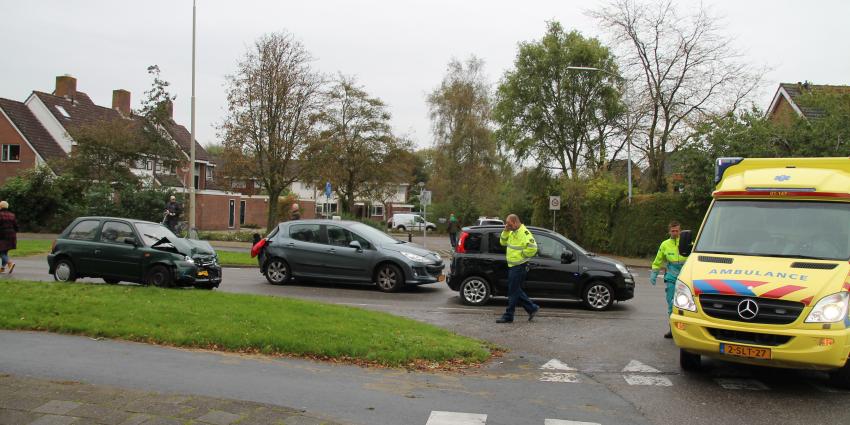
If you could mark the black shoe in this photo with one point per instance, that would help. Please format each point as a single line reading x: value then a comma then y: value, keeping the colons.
x: 668, y: 335
x: 532, y: 314
x: 504, y: 320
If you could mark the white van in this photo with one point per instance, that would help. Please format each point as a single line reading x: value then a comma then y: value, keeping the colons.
x: 405, y: 222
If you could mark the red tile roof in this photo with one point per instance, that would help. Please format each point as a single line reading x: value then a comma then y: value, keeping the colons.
x: 32, y: 129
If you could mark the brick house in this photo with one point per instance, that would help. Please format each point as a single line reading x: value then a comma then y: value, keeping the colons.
x: 785, y: 106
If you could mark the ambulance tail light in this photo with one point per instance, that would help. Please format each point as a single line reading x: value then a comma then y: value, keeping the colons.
x: 830, y: 309
x: 461, y: 244
x: 683, y: 298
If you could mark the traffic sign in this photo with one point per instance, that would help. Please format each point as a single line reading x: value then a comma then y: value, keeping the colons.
x: 425, y: 197
x: 327, y: 189
x: 555, y: 203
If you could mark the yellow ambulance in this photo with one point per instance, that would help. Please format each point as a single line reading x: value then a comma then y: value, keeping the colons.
x: 766, y: 281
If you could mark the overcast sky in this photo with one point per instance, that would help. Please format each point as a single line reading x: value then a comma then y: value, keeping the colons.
x: 398, y: 50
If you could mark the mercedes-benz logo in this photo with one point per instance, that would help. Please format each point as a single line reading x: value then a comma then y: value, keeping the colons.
x: 748, y: 309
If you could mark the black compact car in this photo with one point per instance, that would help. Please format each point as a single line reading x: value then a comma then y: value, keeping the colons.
x: 561, y: 269
x: 119, y: 249
x: 344, y: 251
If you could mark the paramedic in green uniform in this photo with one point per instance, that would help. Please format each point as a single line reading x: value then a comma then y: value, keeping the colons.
x: 668, y: 253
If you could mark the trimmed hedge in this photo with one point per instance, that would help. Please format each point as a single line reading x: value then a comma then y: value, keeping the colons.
x: 639, y: 228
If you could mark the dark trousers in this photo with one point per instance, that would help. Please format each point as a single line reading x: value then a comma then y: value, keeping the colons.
x: 516, y: 277
x: 453, y: 239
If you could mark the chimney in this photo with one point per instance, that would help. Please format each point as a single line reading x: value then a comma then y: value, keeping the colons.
x: 169, y: 108
x: 121, y: 101
x: 66, y: 86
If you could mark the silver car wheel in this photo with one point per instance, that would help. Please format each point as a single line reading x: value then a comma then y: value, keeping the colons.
x: 475, y: 291
x: 63, y: 272
x: 387, y: 278
x: 598, y: 296
x: 276, y: 271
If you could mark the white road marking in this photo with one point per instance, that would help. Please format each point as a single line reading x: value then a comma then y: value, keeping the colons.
x: 636, y: 366
x: 741, y: 384
x: 563, y: 422
x: 559, y: 377
x: 556, y: 365
x: 456, y: 418
x: 658, y: 381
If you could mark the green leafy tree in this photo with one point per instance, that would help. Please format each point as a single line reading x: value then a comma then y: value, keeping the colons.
x: 465, y: 155
x: 356, y: 138
x: 104, y: 151
x: 156, y: 117
x: 557, y: 114
x: 273, y: 99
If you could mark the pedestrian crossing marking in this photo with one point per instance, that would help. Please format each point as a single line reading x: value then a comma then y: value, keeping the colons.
x: 741, y: 384
x: 636, y: 366
x: 456, y: 418
x: 658, y: 381
x: 559, y: 377
x: 556, y: 365
x: 562, y: 422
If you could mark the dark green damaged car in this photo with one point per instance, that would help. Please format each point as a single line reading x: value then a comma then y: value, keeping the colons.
x: 120, y: 249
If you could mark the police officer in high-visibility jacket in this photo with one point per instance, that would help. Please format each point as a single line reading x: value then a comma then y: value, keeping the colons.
x: 668, y: 253
x: 520, y: 245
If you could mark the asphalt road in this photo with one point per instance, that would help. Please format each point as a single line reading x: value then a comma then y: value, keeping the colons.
x: 570, y: 364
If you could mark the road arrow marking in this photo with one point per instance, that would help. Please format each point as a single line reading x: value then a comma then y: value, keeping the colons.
x: 636, y: 366
x: 559, y: 377
x: 556, y: 364
x: 658, y: 381
x: 456, y: 418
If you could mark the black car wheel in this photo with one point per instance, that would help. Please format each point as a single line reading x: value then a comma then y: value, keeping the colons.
x: 475, y: 291
x: 689, y: 362
x: 402, y: 228
x: 277, y: 271
x: 841, y: 377
x: 389, y: 278
x: 64, y: 271
x: 159, y: 276
x: 598, y: 296
x: 111, y: 281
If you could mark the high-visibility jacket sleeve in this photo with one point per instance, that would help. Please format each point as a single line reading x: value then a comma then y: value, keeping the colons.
x: 503, y: 238
x: 530, y: 246
x: 659, y: 258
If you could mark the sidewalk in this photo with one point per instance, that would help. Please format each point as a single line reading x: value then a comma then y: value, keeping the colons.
x: 42, y: 402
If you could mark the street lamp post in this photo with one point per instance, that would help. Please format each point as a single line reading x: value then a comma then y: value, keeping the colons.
x: 422, y: 204
x: 192, y: 230
x: 628, y: 135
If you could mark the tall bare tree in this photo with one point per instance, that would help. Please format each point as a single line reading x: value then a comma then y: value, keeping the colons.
x: 683, y: 67
x: 273, y: 99
x: 465, y: 154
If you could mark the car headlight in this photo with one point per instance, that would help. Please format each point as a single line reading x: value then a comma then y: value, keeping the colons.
x: 622, y: 269
x: 188, y: 259
x: 831, y: 308
x: 683, y: 298
x: 414, y: 257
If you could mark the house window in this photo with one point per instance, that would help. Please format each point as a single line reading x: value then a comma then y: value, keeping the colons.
x: 11, y: 153
x: 231, y: 217
x: 209, y: 173
x: 325, y: 209
x: 62, y: 111
x: 377, y: 210
x: 242, y: 205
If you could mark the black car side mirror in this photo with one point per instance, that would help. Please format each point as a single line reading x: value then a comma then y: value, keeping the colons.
x: 568, y: 257
x: 356, y: 245
x: 686, y: 243
x: 131, y: 241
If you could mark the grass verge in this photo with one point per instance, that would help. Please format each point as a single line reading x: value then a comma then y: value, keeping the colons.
x: 27, y: 247
x: 232, y: 258
x: 234, y: 322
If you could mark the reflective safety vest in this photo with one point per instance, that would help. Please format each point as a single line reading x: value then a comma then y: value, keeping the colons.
x: 520, y: 245
x: 668, y: 253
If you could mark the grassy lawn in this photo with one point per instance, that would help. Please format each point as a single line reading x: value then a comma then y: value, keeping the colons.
x: 233, y: 322
x: 29, y: 247
x: 231, y: 258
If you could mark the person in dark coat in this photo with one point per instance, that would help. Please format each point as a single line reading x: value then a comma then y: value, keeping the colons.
x: 8, y: 236
x: 453, y: 228
x: 172, y: 213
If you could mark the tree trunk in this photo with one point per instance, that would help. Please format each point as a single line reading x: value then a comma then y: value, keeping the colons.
x: 271, y: 221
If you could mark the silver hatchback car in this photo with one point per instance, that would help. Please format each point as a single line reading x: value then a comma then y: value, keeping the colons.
x: 344, y: 251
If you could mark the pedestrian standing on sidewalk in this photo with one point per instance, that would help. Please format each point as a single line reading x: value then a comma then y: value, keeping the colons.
x: 519, y: 246
x: 668, y: 253
x: 8, y: 236
x: 453, y: 229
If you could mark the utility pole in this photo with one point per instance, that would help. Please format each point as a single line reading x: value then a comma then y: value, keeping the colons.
x: 192, y: 230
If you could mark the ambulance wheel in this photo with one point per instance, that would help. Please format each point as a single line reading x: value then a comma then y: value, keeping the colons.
x: 689, y: 362
x: 841, y: 377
